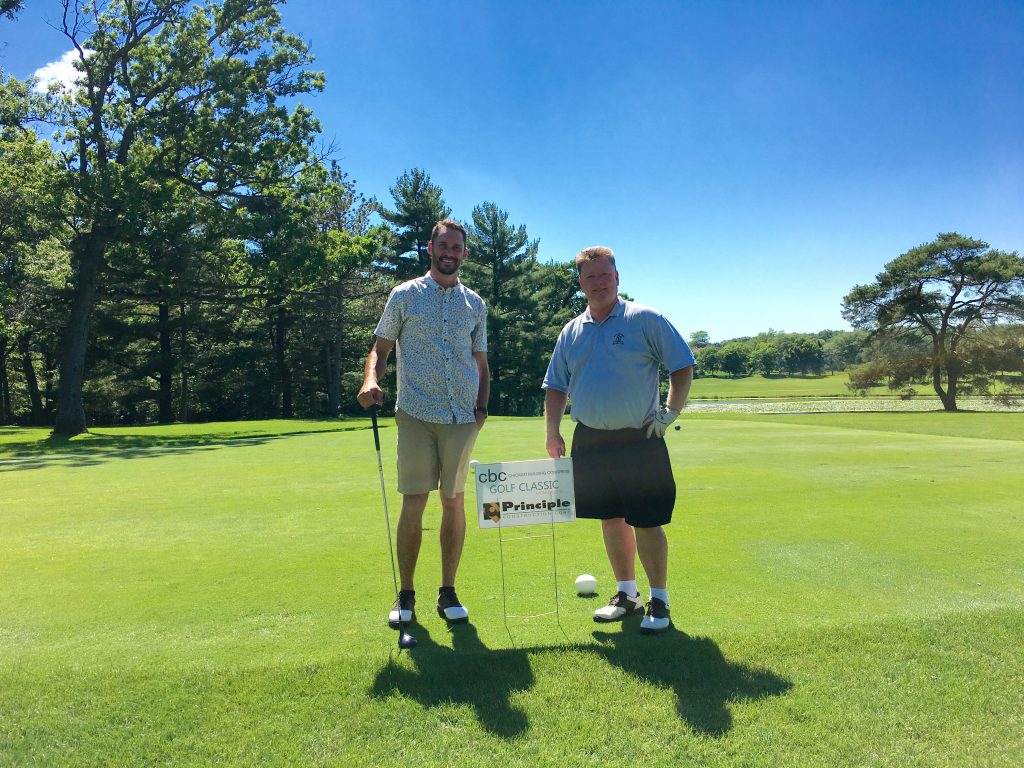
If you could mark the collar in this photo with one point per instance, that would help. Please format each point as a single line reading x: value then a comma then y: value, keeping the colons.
x: 616, y: 311
x: 432, y: 283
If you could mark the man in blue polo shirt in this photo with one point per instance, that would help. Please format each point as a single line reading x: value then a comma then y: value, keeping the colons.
x: 607, y: 361
x: 440, y: 329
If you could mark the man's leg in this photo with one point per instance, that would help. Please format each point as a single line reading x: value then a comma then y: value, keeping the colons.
x: 652, y: 547
x: 453, y: 535
x: 620, y: 544
x: 410, y: 535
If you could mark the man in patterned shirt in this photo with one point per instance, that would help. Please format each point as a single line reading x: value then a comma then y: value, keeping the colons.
x: 440, y: 328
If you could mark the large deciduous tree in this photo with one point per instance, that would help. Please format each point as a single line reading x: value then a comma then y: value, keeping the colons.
x: 944, y: 289
x: 172, y: 92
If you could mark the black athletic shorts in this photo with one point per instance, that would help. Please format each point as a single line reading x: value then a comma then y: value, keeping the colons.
x: 622, y: 473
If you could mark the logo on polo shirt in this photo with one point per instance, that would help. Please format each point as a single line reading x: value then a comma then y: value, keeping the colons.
x: 618, y: 338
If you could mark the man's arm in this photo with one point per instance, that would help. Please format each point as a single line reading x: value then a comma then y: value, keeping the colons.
x: 679, y: 387
x: 374, y: 370
x: 554, y: 409
x: 483, y: 394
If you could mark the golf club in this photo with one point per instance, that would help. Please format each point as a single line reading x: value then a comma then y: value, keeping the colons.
x: 405, y: 640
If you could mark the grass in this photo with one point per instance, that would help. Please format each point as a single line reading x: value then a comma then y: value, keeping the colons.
x: 848, y: 590
x: 775, y: 387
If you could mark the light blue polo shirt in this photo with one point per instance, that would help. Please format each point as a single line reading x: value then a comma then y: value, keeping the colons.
x: 437, y: 330
x: 610, y: 369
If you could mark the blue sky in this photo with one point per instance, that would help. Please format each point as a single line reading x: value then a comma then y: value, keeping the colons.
x: 749, y: 162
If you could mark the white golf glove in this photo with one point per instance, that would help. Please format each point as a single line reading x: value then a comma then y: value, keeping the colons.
x: 662, y: 419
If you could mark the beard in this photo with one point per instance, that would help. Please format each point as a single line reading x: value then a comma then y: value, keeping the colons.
x: 446, y: 267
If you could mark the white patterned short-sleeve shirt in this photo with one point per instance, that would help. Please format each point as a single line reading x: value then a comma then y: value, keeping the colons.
x: 437, y: 330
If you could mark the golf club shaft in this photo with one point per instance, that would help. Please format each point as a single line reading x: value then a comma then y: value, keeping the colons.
x: 384, y: 497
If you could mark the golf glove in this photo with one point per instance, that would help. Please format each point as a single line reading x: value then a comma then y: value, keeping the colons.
x: 662, y: 419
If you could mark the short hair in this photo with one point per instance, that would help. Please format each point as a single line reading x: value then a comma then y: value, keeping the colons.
x: 448, y: 224
x: 593, y: 253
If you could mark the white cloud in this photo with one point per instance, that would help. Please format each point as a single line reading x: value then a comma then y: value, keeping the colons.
x: 62, y: 72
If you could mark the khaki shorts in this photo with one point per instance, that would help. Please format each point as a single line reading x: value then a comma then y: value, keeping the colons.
x: 429, y: 453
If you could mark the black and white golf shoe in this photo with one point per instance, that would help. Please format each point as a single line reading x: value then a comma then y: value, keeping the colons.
x: 449, y: 608
x: 404, y: 609
x: 619, y: 607
x: 657, y: 618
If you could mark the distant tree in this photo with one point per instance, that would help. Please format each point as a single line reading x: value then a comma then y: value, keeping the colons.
x: 996, y: 348
x: 843, y: 349
x: 764, y: 358
x: 860, y: 378
x: 943, y: 289
x: 735, y: 358
x: 709, y: 360
x: 699, y: 339
x: 800, y: 353
x: 419, y: 204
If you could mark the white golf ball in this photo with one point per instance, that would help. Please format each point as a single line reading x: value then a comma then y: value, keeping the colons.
x: 586, y: 584
x: 473, y: 463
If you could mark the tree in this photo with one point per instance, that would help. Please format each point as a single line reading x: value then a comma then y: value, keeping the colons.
x: 419, y: 205
x: 709, y: 360
x: 699, y: 339
x: 843, y: 349
x: 9, y: 8
x: 764, y: 358
x: 501, y: 257
x: 33, y: 257
x: 942, y: 289
x: 800, y: 352
x: 734, y: 358
x: 171, y: 93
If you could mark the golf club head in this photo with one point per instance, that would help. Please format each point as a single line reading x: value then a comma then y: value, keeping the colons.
x: 405, y: 640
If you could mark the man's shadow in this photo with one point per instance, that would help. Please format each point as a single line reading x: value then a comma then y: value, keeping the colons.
x: 469, y: 673
x: 703, y: 680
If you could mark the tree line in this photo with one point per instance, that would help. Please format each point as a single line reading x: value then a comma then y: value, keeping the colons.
x: 180, y: 245
x: 182, y: 248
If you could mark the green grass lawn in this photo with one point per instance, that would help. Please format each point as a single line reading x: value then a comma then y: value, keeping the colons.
x: 775, y: 387
x: 848, y: 590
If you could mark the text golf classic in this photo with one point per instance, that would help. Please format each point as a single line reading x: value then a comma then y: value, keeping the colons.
x: 499, y: 484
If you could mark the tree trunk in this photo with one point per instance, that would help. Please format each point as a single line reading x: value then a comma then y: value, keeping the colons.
x: 70, y: 410
x: 284, y: 374
x: 332, y: 351
x: 166, y: 395
x: 185, y: 356
x: 948, y: 394
x: 37, y: 416
x: 6, y: 417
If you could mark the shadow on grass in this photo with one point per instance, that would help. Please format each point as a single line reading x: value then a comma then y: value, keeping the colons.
x: 703, y: 680
x: 98, y: 448
x: 469, y: 673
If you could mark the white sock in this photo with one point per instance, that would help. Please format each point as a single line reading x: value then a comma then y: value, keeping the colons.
x: 661, y: 594
x: 629, y: 587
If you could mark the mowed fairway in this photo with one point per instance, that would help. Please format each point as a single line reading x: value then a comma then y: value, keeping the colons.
x: 848, y: 590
